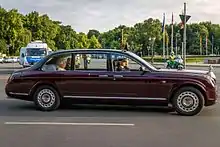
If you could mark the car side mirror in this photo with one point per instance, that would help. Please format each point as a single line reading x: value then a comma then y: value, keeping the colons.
x: 22, y: 55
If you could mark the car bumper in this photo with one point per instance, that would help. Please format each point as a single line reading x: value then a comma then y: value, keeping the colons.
x: 18, y: 97
x: 14, y: 95
x: 210, y: 102
x: 212, y: 97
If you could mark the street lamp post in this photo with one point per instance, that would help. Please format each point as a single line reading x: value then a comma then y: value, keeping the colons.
x: 177, y: 36
x: 8, y: 46
x: 184, y: 36
x: 149, y: 45
x: 176, y: 45
x: 148, y: 50
x: 152, y: 48
x: 184, y: 19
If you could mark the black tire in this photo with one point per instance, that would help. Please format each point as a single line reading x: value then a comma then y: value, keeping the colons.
x: 180, y: 67
x: 193, y: 94
x: 52, y: 97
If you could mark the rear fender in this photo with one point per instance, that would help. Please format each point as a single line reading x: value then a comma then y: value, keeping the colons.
x: 41, y: 83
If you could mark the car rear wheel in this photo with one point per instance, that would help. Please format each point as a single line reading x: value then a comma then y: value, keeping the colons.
x: 188, y: 101
x: 46, y: 98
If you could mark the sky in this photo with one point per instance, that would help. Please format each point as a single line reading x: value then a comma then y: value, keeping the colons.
x: 103, y: 15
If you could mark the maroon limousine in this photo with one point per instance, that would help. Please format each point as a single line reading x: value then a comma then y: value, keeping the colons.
x: 113, y: 77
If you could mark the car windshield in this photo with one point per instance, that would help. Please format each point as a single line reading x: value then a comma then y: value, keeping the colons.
x: 36, y: 51
x: 142, y: 60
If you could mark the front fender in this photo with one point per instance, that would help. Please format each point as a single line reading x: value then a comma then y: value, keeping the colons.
x: 197, y: 84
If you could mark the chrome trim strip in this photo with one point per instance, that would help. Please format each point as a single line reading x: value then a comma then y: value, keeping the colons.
x: 98, y: 97
x: 18, y: 93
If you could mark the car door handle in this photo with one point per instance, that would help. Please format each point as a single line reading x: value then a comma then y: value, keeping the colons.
x: 118, y: 76
x: 103, y: 76
x: 163, y: 82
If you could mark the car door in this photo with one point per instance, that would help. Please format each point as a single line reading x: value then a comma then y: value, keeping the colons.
x: 126, y: 81
x: 88, y: 78
x: 134, y: 83
x: 54, y: 71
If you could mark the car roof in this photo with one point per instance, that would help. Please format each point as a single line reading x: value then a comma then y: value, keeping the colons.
x: 88, y: 50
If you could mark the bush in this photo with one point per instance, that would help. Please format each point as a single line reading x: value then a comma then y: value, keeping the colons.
x: 188, y: 60
x: 194, y: 60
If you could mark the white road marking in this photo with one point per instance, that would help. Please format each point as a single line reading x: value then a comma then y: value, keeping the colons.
x: 4, y: 77
x: 67, y: 124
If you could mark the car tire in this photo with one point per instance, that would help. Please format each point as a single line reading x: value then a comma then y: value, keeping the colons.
x: 46, y: 98
x: 188, y: 101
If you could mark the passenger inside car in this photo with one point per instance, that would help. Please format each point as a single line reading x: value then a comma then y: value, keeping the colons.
x: 61, y: 64
x: 122, y: 65
x: 68, y: 64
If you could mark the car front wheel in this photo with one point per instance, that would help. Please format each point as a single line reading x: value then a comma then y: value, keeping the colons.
x: 188, y: 101
x: 46, y: 98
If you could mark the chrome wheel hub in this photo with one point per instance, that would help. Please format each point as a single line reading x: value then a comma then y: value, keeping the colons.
x: 188, y: 101
x: 46, y: 98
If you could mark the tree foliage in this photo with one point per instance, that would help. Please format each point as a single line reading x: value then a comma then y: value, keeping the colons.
x: 17, y: 30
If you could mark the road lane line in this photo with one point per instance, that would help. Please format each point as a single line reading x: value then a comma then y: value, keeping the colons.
x: 67, y: 124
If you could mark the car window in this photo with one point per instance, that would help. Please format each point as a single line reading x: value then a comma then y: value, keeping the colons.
x: 123, y: 63
x: 142, y: 60
x: 91, y: 62
x: 58, y: 63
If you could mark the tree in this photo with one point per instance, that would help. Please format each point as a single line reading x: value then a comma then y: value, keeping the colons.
x: 49, y: 29
x: 3, y: 13
x: 66, y: 38
x: 3, y: 46
x: 82, y: 41
x: 14, y: 26
x: 93, y: 32
x: 24, y: 37
x: 32, y: 22
x: 94, y: 43
x: 18, y: 30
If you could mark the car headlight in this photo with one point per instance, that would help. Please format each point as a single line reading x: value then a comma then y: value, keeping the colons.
x: 212, y: 75
x: 211, y: 80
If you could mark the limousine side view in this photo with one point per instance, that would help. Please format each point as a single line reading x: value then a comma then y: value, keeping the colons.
x: 113, y: 77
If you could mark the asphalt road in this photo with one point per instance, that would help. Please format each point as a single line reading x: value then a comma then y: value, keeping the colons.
x: 87, y: 126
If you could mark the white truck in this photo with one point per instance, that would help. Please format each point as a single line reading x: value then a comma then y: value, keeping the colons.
x: 33, y: 53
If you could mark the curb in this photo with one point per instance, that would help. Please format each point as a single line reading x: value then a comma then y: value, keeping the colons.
x: 194, y: 65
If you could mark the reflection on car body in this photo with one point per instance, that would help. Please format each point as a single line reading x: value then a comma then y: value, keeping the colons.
x: 121, y: 78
